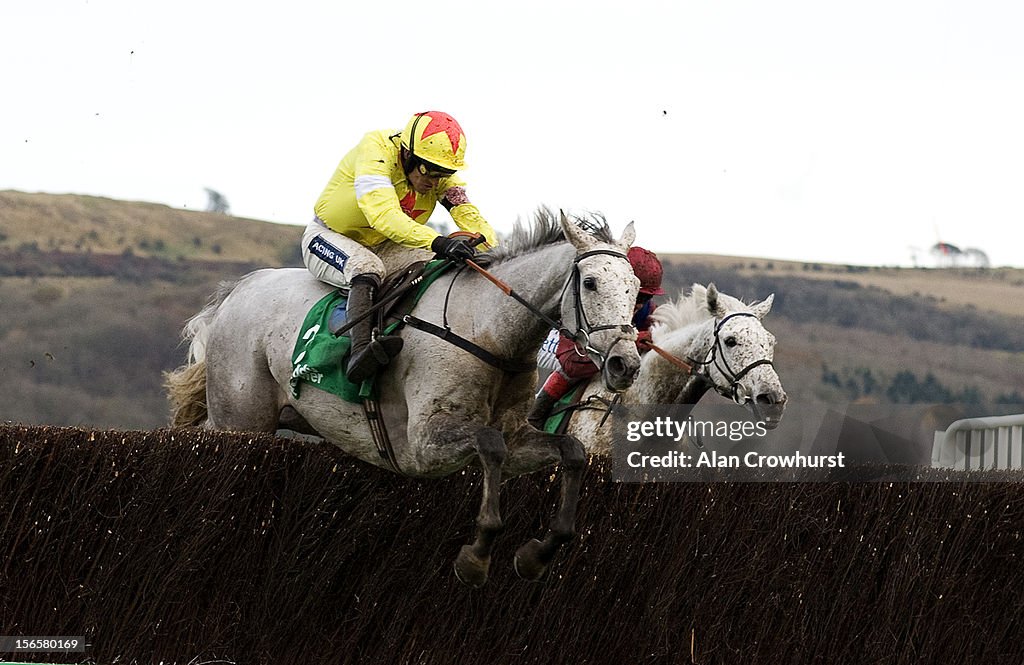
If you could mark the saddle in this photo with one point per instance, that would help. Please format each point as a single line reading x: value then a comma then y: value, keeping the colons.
x: 319, y: 354
x: 394, y: 307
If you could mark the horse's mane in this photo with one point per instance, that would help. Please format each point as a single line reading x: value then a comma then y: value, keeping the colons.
x: 545, y: 230
x: 691, y: 308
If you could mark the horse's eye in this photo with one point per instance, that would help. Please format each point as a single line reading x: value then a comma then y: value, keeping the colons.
x: 590, y: 283
x: 730, y: 341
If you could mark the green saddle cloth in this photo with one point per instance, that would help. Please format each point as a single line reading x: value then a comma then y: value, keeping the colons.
x: 561, y: 412
x: 319, y: 358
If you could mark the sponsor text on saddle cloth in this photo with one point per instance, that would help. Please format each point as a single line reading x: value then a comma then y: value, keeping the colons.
x: 319, y: 356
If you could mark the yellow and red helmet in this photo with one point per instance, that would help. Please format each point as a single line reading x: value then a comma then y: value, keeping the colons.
x: 436, y: 138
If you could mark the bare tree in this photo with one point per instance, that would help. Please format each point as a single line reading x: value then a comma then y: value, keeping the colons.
x: 216, y: 202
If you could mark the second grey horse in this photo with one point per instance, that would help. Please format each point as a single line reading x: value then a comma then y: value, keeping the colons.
x: 727, y: 347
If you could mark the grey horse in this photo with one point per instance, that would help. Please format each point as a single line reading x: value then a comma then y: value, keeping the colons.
x: 442, y: 407
x: 725, y: 343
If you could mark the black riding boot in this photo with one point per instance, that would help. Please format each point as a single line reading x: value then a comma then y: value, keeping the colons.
x: 368, y: 355
x: 541, y: 409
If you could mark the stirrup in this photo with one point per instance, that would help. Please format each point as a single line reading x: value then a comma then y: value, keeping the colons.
x: 364, y: 364
x: 379, y: 352
x: 540, y: 411
x: 389, y: 345
x: 371, y: 358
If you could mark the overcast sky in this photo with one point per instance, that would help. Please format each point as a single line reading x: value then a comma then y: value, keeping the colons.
x: 841, y: 132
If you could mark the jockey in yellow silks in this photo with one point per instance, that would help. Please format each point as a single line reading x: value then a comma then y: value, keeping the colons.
x: 371, y: 220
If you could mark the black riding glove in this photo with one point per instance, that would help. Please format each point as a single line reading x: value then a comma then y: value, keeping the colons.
x: 455, y: 249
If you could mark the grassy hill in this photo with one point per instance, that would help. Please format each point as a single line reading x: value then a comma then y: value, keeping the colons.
x: 996, y: 290
x: 95, y: 291
x: 88, y: 224
x: 965, y: 328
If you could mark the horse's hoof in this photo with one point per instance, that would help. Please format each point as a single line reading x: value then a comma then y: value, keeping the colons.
x: 471, y: 569
x: 528, y: 562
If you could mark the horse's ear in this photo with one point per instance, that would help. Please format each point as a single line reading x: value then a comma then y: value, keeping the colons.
x: 712, y: 299
x: 628, y: 236
x: 579, y: 238
x: 761, y: 308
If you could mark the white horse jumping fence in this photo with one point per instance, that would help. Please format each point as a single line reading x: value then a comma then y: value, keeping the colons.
x: 993, y: 442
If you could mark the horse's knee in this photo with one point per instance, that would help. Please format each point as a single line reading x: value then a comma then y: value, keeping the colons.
x: 490, y: 523
x: 574, y: 455
x: 490, y: 445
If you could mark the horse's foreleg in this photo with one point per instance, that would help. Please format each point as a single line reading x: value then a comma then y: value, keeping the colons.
x: 533, y: 558
x: 473, y: 562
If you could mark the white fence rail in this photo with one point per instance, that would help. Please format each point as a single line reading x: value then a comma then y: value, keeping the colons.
x: 994, y: 442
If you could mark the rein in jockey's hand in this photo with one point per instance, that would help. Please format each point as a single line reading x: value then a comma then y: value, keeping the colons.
x: 471, y: 237
x: 643, y: 340
x: 455, y: 249
x: 482, y: 259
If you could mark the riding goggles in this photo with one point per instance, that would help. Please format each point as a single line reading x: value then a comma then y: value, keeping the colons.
x: 433, y: 171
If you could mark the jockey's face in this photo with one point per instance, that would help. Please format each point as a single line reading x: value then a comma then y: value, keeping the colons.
x: 422, y: 183
x: 641, y: 300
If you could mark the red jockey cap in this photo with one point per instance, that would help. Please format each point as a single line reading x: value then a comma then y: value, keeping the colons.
x: 647, y: 268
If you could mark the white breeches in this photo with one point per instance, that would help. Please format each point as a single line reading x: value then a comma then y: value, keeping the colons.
x: 336, y: 259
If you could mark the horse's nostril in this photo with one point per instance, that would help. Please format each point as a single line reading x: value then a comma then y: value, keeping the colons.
x: 771, y: 397
x: 616, y: 366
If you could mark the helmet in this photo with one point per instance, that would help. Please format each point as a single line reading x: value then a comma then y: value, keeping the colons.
x: 647, y: 268
x: 435, y: 137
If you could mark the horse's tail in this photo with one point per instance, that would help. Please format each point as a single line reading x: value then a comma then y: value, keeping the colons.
x: 186, y: 386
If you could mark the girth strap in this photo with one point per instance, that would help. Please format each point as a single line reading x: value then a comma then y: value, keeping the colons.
x: 509, y: 366
x: 371, y: 408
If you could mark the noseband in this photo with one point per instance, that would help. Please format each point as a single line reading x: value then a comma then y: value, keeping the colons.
x: 584, y: 329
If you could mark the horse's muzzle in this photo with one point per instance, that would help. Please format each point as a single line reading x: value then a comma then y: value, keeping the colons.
x: 621, y: 367
x: 769, y: 406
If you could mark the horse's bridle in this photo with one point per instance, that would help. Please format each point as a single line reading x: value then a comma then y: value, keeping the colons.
x: 584, y: 329
x: 716, y: 357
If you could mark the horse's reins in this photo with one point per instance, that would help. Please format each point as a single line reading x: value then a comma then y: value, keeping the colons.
x: 393, y: 295
x: 675, y: 360
x: 509, y: 291
x: 715, y: 355
x: 445, y: 333
x: 583, y: 327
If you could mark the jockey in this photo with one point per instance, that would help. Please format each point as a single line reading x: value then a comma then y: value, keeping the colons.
x: 371, y: 220
x: 569, y: 367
